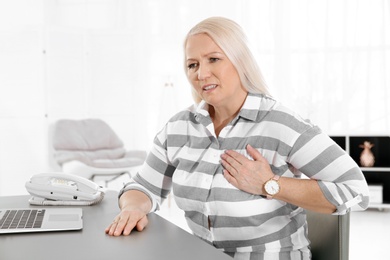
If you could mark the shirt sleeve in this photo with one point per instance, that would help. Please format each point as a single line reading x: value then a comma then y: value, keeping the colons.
x: 155, y: 177
x: 342, y: 182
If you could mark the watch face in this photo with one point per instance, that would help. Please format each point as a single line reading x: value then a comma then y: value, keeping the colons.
x: 272, y: 187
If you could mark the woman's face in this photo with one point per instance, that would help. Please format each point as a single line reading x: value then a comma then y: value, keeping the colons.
x: 211, y: 73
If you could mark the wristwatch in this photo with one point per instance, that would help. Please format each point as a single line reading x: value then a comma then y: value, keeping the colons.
x: 272, y: 187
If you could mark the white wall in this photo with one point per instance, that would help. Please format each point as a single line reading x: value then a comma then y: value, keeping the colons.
x: 329, y: 60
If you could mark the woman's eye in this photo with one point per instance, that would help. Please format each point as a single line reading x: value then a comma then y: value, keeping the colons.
x: 213, y: 59
x: 192, y: 66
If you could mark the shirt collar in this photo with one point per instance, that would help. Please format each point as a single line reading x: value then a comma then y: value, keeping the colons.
x: 202, y: 108
x: 251, y: 106
x: 249, y: 110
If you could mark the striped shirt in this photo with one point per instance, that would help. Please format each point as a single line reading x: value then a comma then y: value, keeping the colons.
x: 185, y: 157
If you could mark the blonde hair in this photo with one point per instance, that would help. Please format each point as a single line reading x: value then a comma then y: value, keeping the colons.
x: 229, y: 36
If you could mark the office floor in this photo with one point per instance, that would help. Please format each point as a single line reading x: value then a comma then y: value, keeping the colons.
x: 370, y: 235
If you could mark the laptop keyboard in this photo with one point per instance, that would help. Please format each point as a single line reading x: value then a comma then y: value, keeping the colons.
x: 22, y: 219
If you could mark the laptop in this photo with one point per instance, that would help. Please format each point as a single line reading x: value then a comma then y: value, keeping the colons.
x: 24, y: 220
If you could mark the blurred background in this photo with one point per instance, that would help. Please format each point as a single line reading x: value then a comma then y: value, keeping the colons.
x: 122, y: 61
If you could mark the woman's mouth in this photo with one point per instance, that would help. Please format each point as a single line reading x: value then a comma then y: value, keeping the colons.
x: 209, y: 87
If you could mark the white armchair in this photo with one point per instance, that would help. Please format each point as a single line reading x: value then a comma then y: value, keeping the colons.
x: 90, y: 148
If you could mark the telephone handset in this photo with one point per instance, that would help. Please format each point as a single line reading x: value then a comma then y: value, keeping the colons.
x: 63, y: 189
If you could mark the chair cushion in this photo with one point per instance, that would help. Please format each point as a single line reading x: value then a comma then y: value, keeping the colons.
x: 88, y: 157
x: 117, y: 163
x: 81, y: 135
x: 94, y: 143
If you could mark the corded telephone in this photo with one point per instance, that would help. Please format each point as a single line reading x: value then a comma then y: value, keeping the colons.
x: 63, y: 189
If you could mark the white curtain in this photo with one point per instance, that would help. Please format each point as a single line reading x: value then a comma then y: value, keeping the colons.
x: 331, y: 62
x: 326, y: 59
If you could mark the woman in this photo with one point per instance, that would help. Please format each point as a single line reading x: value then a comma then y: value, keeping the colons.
x: 236, y: 158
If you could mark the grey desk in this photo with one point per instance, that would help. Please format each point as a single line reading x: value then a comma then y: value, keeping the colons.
x: 160, y: 240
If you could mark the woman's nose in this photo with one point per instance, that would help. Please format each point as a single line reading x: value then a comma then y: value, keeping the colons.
x: 203, y: 72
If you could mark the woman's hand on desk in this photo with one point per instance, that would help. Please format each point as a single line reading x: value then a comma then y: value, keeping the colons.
x: 126, y: 221
x: 135, y: 206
